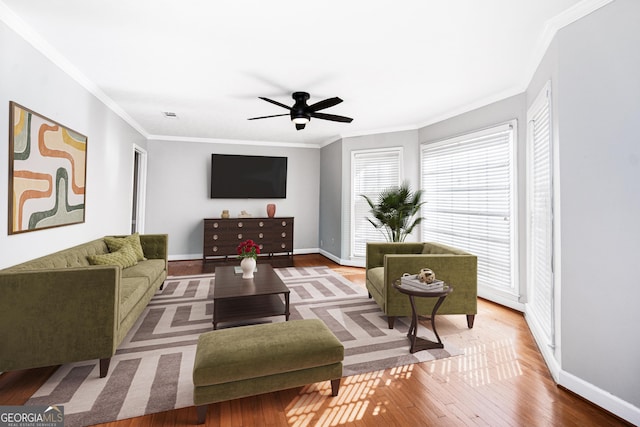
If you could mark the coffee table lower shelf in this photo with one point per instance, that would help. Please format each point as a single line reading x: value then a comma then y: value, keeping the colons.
x: 248, y: 307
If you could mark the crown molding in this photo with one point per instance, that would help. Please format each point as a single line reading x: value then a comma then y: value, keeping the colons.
x: 170, y: 138
x: 15, y: 23
x: 551, y: 28
x: 391, y: 129
x: 574, y: 13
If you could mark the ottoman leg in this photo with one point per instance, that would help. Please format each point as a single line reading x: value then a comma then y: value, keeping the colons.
x: 202, y: 413
x: 335, y: 386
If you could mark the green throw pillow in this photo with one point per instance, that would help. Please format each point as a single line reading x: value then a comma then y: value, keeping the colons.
x: 116, y: 243
x: 124, y: 257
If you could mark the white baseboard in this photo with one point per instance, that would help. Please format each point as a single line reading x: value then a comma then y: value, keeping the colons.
x: 546, y: 350
x: 184, y: 257
x: 306, y: 251
x: 602, y: 398
x: 346, y: 262
x: 331, y: 256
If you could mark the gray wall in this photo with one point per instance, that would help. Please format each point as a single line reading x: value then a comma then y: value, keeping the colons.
x: 598, y: 114
x: 335, y: 193
x: 331, y: 200
x: 178, y: 193
x: 30, y: 79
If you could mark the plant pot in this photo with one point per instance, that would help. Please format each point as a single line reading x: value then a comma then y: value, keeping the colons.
x: 271, y: 210
x: 248, y: 266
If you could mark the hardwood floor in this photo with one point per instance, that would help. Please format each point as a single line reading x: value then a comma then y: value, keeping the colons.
x: 500, y: 381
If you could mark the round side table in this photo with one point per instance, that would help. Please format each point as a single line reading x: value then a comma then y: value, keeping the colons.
x: 417, y: 343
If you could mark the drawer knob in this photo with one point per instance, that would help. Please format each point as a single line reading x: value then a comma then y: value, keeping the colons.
x: 284, y: 223
x: 215, y: 237
x: 240, y: 225
x: 239, y: 236
x: 215, y: 225
x: 283, y: 246
x: 261, y: 224
x: 261, y: 235
x: 215, y: 249
x: 284, y: 234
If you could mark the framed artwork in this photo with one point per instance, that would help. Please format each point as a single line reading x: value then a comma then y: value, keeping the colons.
x: 47, y: 171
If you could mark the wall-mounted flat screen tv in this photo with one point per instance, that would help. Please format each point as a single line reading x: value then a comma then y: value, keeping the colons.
x: 248, y: 177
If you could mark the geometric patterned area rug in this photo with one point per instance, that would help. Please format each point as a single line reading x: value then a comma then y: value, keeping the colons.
x: 151, y: 370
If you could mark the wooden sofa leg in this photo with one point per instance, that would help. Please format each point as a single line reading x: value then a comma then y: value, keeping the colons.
x: 202, y: 413
x: 104, y: 367
x: 335, y: 386
x: 391, y: 320
x: 470, y: 319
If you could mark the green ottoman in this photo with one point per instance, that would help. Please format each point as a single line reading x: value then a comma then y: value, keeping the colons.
x: 249, y: 360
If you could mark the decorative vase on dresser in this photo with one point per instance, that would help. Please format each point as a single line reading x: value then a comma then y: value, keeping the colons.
x: 271, y: 210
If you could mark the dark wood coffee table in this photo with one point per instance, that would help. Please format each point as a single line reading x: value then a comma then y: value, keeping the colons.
x: 235, y: 298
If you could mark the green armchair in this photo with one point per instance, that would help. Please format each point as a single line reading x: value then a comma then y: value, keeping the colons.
x: 387, y: 262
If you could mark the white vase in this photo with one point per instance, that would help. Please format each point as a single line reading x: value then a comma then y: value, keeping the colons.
x: 248, y: 266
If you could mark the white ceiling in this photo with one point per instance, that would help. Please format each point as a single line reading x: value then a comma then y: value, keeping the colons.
x: 396, y: 67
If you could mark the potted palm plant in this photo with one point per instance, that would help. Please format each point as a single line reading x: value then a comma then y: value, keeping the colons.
x: 395, y: 211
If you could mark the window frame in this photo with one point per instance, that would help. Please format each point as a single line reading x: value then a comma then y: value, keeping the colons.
x: 396, y: 151
x: 505, y: 295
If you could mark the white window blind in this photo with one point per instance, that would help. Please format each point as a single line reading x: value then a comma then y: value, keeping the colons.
x: 540, y: 207
x: 372, y: 172
x: 468, y: 185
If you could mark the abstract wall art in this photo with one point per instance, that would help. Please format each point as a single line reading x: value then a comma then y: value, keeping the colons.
x: 47, y: 171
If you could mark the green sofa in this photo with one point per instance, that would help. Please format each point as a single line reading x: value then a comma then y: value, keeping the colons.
x: 59, y: 308
x: 386, y: 262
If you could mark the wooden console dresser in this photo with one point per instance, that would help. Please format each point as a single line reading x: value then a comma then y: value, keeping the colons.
x: 222, y: 235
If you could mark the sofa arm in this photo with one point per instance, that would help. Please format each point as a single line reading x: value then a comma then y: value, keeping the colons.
x: 55, y: 316
x: 155, y: 246
x: 377, y: 251
x: 458, y: 271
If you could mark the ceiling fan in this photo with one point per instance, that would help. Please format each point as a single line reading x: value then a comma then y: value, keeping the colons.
x: 301, y: 113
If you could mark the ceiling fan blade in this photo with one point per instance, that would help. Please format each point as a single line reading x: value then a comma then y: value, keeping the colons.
x: 266, y: 117
x: 330, y: 102
x: 331, y: 117
x: 300, y: 126
x: 275, y: 102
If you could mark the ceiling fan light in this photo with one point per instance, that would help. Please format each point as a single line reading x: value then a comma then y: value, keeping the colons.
x: 302, y: 120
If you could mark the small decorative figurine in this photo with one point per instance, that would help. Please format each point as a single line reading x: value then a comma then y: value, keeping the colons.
x: 426, y: 275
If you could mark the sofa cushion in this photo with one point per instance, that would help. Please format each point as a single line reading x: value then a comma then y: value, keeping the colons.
x: 149, y: 269
x: 124, y: 257
x: 131, y: 292
x: 116, y: 243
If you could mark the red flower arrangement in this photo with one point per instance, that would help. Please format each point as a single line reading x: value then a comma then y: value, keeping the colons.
x: 248, y: 249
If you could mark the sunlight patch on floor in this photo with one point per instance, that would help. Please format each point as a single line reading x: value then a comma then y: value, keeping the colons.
x: 484, y: 364
x: 349, y: 406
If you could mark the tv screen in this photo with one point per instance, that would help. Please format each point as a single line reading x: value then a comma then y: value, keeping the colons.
x: 248, y: 177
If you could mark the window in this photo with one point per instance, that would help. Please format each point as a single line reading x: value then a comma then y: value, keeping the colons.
x: 540, y: 217
x: 372, y: 171
x: 469, y: 189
